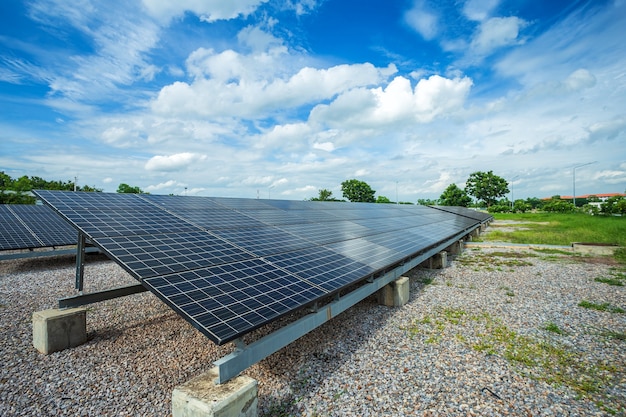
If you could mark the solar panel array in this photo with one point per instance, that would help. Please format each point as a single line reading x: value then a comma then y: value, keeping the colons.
x: 463, y: 211
x: 230, y: 265
x: 25, y: 226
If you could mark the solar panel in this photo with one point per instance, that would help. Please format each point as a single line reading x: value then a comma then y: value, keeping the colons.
x: 464, y: 211
x: 25, y: 226
x: 229, y: 266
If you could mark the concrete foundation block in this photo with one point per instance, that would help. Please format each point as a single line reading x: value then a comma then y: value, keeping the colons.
x: 456, y: 248
x: 437, y: 261
x: 395, y: 294
x: 202, y: 397
x: 55, y: 330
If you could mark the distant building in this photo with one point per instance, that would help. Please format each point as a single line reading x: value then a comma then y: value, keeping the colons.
x: 601, y: 196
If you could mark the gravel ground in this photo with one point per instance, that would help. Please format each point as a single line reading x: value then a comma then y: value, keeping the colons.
x: 471, y: 341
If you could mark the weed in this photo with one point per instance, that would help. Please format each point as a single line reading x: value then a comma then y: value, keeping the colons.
x: 426, y: 280
x: 610, y: 334
x: 536, y: 359
x: 600, y: 307
x: 611, y: 281
x: 552, y: 327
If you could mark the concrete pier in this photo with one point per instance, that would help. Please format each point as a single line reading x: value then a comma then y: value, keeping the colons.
x: 202, y: 397
x: 55, y: 330
x: 456, y: 248
x: 395, y: 294
x: 437, y: 261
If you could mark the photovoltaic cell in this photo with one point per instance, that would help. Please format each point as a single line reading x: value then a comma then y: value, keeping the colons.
x: 25, y: 226
x: 229, y: 266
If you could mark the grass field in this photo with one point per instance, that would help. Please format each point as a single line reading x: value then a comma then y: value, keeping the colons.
x: 560, y: 229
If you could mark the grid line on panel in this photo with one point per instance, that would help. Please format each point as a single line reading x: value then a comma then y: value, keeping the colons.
x: 322, y: 267
x: 153, y: 255
x: 227, y: 301
x: 13, y: 233
x: 47, y: 227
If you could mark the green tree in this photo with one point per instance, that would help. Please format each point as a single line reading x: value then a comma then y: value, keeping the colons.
x: 383, y: 199
x: 357, y: 191
x: 426, y: 202
x: 127, y: 189
x: 324, y: 195
x: 556, y: 205
x: 454, y: 196
x: 486, y: 186
x: 520, y: 206
x: 614, y: 205
x: 534, y: 202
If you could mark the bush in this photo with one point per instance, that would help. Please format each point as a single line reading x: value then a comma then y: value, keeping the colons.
x: 558, y: 206
x: 499, y: 208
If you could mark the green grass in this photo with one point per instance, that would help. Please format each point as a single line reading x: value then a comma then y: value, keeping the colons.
x: 541, y: 360
x: 553, y: 328
x: 610, y: 281
x: 562, y: 229
x: 600, y: 307
x: 495, y: 261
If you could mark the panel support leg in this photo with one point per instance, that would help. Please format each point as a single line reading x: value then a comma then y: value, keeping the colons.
x: 80, y: 262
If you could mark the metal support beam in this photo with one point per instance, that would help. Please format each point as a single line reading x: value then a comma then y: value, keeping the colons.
x: 80, y: 262
x: 96, y: 297
x: 245, y: 356
x: 43, y: 253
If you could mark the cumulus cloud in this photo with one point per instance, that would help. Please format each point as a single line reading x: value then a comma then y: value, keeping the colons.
x: 397, y: 102
x: 173, y: 162
x: 423, y: 20
x: 207, y: 10
x: 497, y: 32
x: 229, y: 84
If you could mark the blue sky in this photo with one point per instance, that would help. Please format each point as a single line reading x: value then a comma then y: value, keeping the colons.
x: 279, y: 99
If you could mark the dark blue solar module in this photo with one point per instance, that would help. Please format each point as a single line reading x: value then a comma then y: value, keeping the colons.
x: 25, y: 226
x: 231, y: 265
x: 466, y: 212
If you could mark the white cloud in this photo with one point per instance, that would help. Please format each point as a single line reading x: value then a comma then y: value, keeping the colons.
x: 397, y: 102
x: 324, y: 146
x: 120, y: 38
x: 580, y: 80
x: 161, y: 186
x: 422, y: 20
x: 207, y: 10
x: 230, y: 84
x: 479, y: 10
x: 173, y: 162
x: 496, y: 33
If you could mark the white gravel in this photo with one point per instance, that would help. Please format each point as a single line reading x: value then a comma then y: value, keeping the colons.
x: 421, y: 359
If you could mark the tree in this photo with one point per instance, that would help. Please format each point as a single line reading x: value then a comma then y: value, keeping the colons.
x: 357, y: 191
x: 486, y: 186
x: 127, y: 189
x: 454, y: 196
x: 426, y: 202
x: 325, y: 195
x: 614, y: 205
x: 383, y: 199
